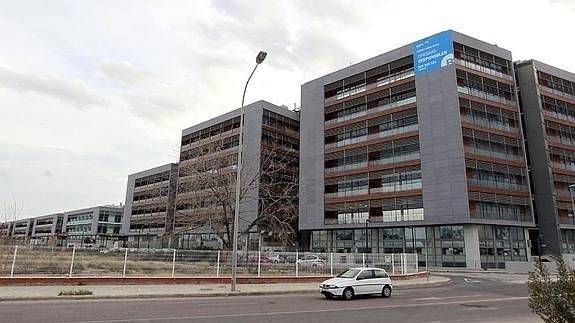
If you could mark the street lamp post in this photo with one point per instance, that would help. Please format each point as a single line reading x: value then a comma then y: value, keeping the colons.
x: 259, y: 59
x: 367, y: 235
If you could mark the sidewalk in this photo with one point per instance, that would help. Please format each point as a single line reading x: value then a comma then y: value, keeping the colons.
x: 22, y: 293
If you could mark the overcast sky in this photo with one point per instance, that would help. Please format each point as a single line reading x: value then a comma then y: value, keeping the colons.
x: 91, y: 91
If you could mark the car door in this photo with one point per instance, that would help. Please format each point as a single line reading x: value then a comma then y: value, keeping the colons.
x: 381, y: 279
x: 363, y: 282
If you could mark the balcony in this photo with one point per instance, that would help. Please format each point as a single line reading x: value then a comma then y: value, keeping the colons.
x: 346, y: 193
x: 557, y: 92
x: 499, y: 185
x: 374, y: 110
x: 485, y: 95
x: 501, y: 217
x: 557, y: 115
x: 560, y: 165
x: 483, y: 69
x: 346, y: 167
x: 395, y: 159
x: 395, y: 188
x: 488, y: 124
x: 567, y: 220
x: 491, y: 153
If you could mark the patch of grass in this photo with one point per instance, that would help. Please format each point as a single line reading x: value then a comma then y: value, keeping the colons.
x: 75, y: 292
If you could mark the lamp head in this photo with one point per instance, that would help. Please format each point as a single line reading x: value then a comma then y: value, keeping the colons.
x: 261, y: 56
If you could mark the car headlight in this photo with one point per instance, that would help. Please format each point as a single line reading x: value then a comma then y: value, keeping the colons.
x: 329, y: 286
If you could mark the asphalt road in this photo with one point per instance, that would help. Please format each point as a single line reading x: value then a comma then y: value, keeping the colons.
x: 466, y: 299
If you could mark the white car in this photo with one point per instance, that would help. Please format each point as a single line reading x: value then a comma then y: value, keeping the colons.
x: 357, y: 281
x: 311, y: 261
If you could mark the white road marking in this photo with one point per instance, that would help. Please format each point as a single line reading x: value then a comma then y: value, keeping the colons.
x: 467, y: 280
x: 439, y: 298
x: 297, y: 312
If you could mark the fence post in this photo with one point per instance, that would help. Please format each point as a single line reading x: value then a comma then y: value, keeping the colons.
x: 218, y: 266
x: 174, y: 264
x: 404, y: 263
x: 72, y: 262
x: 331, y: 263
x: 14, y: 261
x: 259, y: 262
x: 393, y: 264
x: 125, y: 262
x: 296, y: 261
x: 363, y: 259
x: 416, y: 263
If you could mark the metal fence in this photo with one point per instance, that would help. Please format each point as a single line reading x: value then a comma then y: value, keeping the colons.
x: 34, y: 261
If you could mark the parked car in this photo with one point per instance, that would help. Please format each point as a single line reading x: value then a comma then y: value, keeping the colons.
x: 276, y: 259
x: 261, y: 259
x: 357, y: 281
x: 311, y: 261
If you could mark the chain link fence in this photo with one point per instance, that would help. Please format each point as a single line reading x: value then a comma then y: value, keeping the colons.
x: 35, y: 261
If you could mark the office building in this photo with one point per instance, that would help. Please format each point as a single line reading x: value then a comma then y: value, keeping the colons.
x: 149, y: 209
x: 47, y: 229
x: 418, y: 150
x: 205, y: 198
x: 96, y: 226
x: 21, y: 229
x: 547, y: 97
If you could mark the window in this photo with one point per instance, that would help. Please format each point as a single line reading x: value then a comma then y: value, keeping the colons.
x: 366, y: 274
x: 380, y: 274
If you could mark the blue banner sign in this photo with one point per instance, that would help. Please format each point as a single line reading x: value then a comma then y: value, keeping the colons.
x: 432, y: 53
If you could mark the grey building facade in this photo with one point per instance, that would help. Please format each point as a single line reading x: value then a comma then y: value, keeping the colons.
x: 548, y: 103
x: 96, y: 226
x: 150, y: 204
x: 208, y: 169
x: 47, y: 229
x: 395, y: 158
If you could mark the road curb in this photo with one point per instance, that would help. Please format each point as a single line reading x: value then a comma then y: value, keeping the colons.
x: 190, y: 295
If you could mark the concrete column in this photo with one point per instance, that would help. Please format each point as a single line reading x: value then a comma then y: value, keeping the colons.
x: 471, y: 237
x: 527, y: 244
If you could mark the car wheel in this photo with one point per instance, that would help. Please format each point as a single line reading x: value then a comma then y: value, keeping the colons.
x: 348, y: 293
x: 386, y: 292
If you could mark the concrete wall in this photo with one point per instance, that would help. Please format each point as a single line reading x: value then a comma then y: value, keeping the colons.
x: 541, y: 175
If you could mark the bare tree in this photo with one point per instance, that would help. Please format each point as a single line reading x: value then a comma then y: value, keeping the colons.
x: 11, y: 213
x: 206, y: 192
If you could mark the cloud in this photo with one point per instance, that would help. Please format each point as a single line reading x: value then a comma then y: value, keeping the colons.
x: 123, y: 71
x: 71, y: 90
x: 567, y: 4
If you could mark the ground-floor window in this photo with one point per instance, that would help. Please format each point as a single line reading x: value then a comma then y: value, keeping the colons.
x: 498, y: 244
x: 567, y: 241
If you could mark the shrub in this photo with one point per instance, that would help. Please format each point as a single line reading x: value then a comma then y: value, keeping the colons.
x: 553, y: 299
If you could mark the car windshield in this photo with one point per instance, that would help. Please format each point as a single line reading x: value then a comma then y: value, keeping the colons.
x: 350, y: 273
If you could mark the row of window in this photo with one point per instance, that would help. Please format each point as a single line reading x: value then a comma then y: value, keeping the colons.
x: 488, y: 116
x: 489, y: 63
x: 382, y: 100
x: 558, y: 108
x: 356, y: 83
x: 211, y: 148
x: 485, y: 87
x: 499, y: 211
x: 152, y: 179
x: 385, y: 153
x: 211, y: 131
x: 556, y: 83
x: 401, y: 122
x: 492, y: 145
x: 277, y: 121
